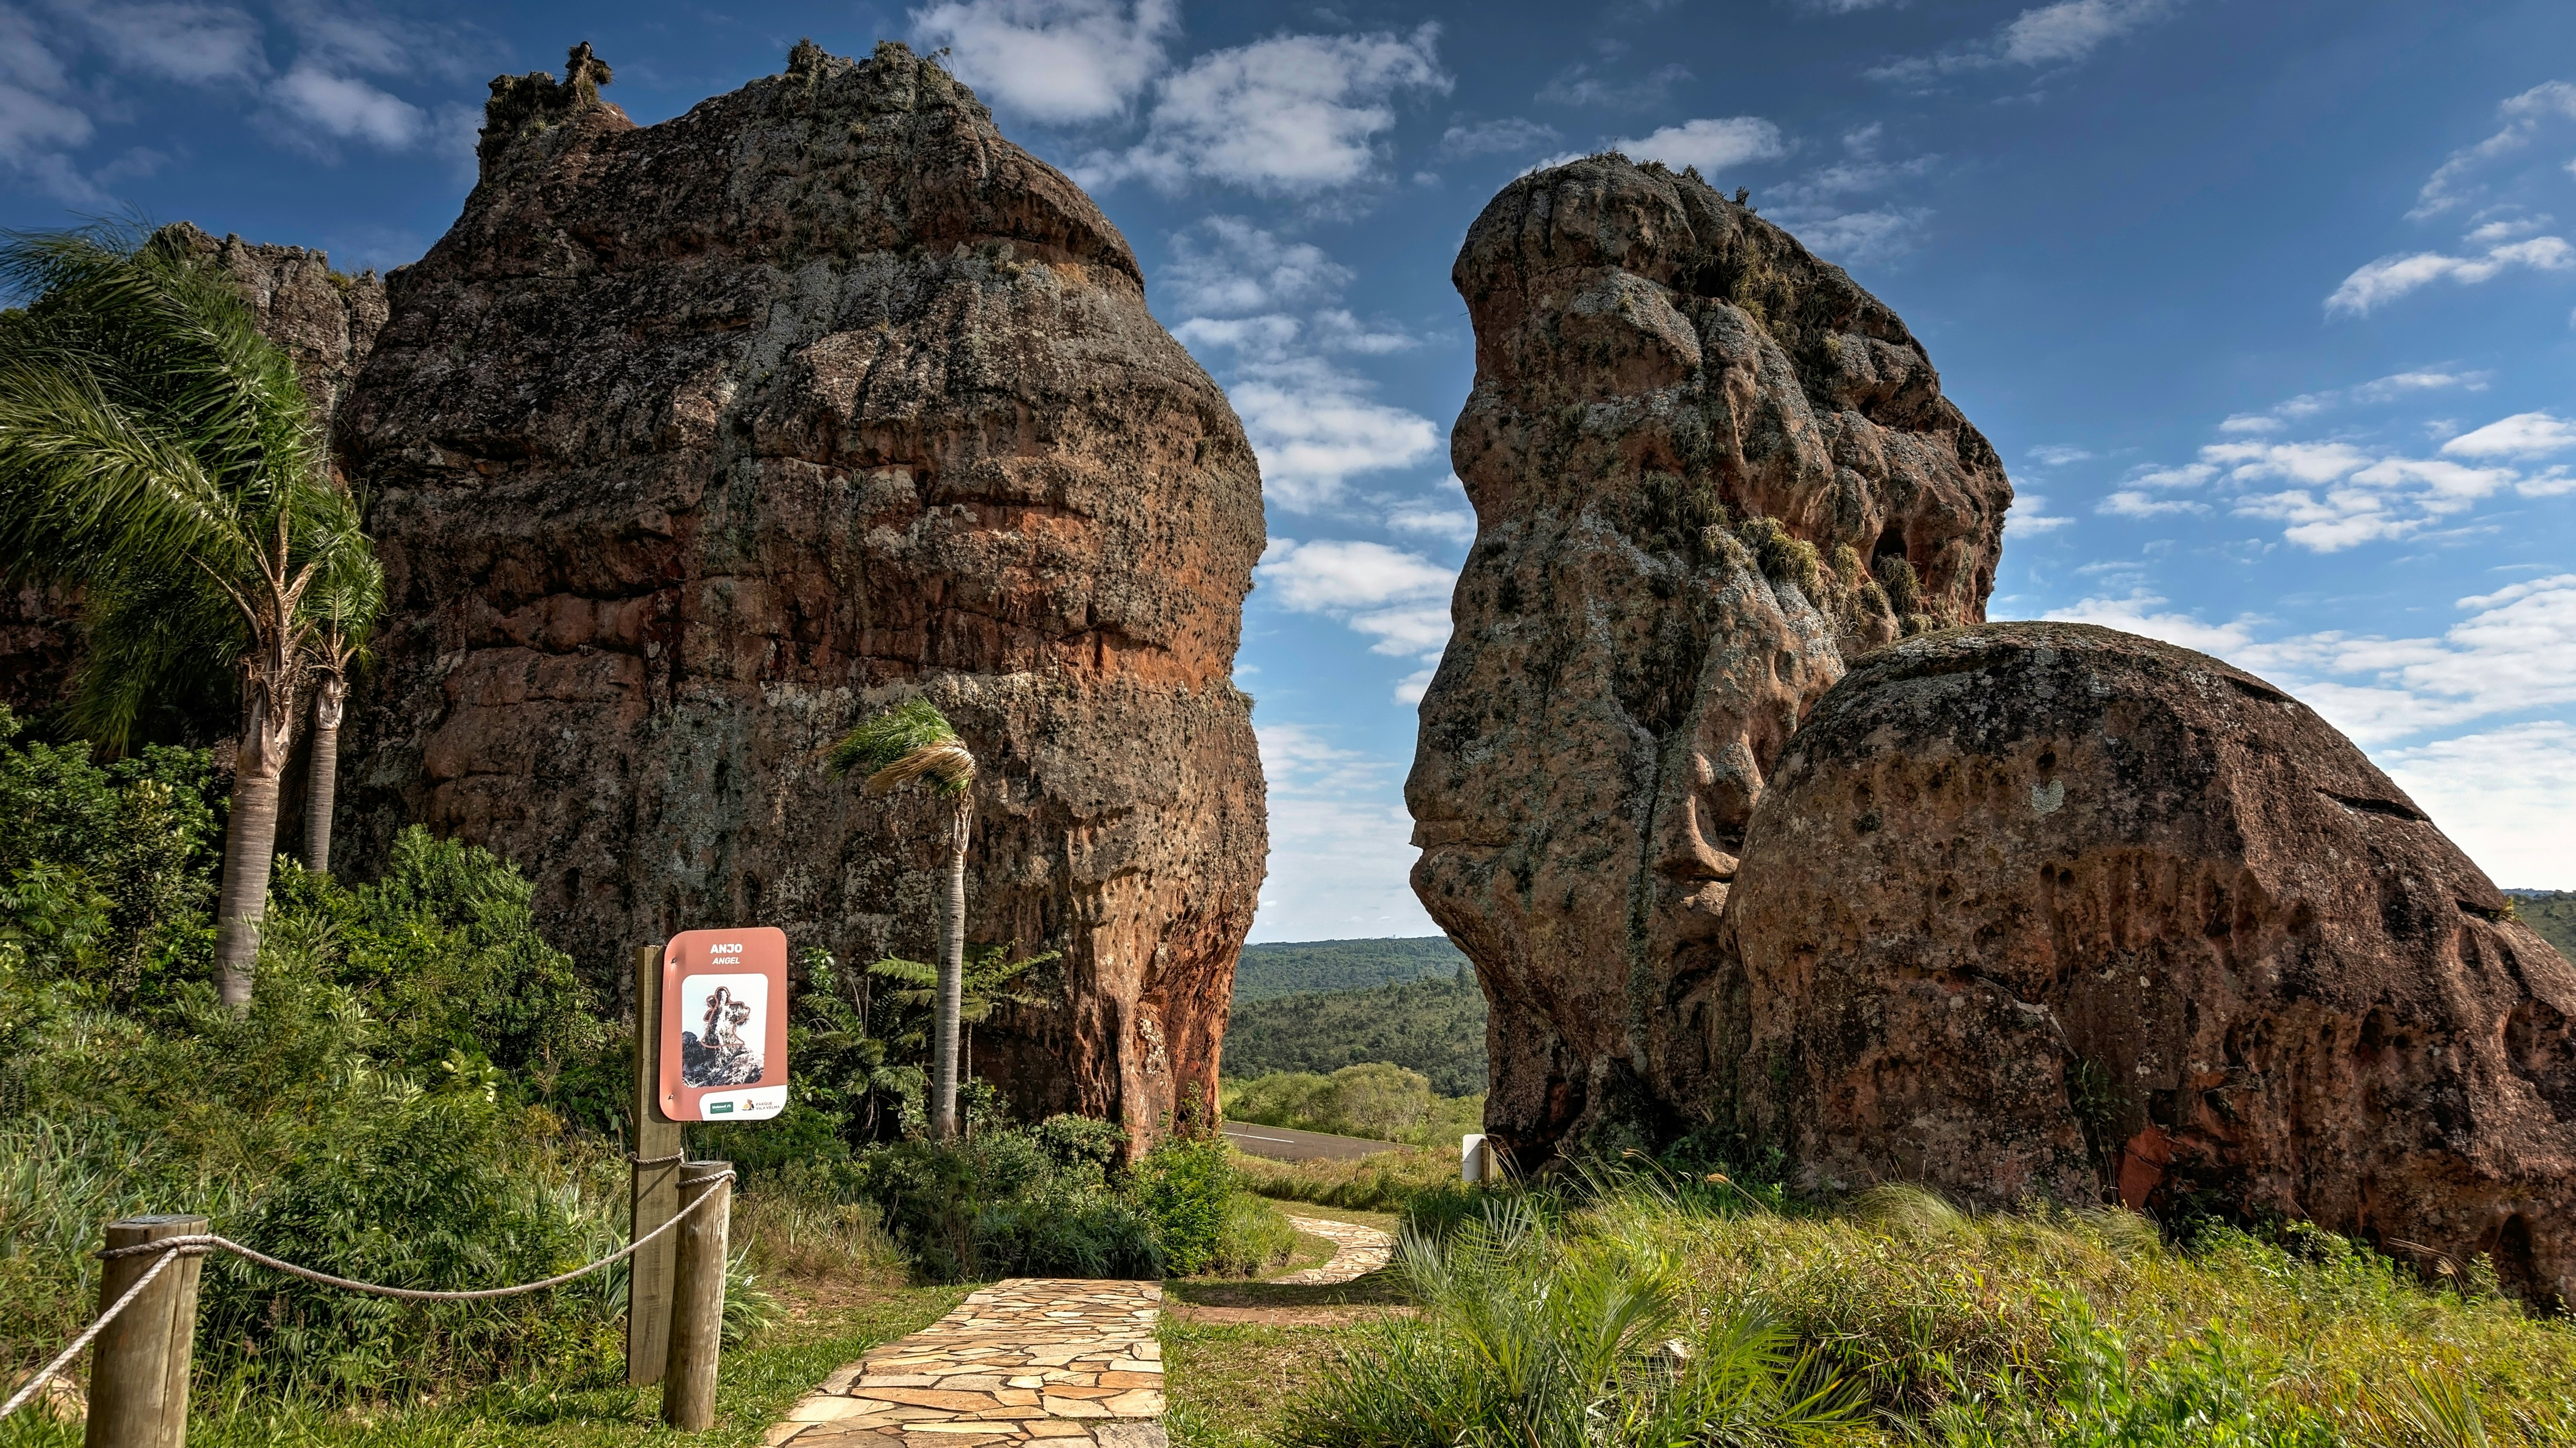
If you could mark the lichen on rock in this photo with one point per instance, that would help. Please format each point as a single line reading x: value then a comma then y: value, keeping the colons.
x: 692, y: 443
x: 2050, y: 911
x: 1693, y: 450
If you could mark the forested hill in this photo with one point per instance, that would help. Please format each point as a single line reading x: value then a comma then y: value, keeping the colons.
x: 2551, y: 912
x: 1300, y: 967
x: 1434, y: 1025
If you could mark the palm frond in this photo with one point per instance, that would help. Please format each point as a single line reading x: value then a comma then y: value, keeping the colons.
x: 910, y: 741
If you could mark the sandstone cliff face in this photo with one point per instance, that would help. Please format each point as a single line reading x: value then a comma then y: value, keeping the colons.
x: 325, y: 321
x: 2048, y: 909
x: 696, y: 442
x: 1678, y: 413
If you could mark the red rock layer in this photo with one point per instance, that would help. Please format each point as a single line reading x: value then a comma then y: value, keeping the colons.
x: 693, y: 443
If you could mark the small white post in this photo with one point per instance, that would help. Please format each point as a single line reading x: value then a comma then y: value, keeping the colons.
x: 1474, y: 1161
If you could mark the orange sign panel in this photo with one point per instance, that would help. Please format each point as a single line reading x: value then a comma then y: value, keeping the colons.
x: 724, y: 1025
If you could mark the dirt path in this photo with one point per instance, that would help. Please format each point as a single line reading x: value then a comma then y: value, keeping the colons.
x: 1027, y: 1359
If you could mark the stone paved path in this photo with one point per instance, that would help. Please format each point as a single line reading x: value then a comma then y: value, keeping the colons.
x: 1357, y: 1251
x: 1025, y: 1359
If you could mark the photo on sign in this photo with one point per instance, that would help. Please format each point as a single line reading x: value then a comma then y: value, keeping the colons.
x: 726, y: 1020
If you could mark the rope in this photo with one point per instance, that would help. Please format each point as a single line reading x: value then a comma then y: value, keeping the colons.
x: 208, y: 1242
x: 63, y: 1359
x: 677, y: 1156
x: 197, y: 1244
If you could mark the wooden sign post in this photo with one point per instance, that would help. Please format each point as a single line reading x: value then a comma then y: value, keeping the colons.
x: 656, y: 1185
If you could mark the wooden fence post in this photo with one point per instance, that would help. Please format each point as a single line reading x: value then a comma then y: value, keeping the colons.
x: 656, y: 1187
x: 697, y: 1301
x: 138, y: 1380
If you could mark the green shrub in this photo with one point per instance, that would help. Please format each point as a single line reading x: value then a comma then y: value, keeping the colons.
x: 1375, y: 1100
x: 1183, y: 1188
x: 1254, y: 1238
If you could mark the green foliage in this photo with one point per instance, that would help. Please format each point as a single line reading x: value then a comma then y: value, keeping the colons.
x: 1782, y: 557
x: 1388, y: 1181
x: 1904, y: 590
x: 1305, y: 967
x: 1529, y: 1342
x: 989, y: 977
x: 444, y: 950
x: 1434, y: 1025
x: 1183, y: 1187
x: 106, y: 871
x: 1000, y: 1202
x: 904, y: 742
x: 2550, y: 912
x: 1375, y: 1099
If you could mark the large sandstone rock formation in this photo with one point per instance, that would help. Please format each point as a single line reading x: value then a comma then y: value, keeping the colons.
x: 2044, y: 909
x: 695, y: 442
x: 326, y: 321
x: 1678, y: 413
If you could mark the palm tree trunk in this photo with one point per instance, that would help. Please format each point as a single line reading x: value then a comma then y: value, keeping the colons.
x: 330, y: 692
x: 952, y: 980
x: 250, y: 841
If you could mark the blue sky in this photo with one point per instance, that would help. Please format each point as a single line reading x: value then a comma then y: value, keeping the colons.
x: 2269, y: 307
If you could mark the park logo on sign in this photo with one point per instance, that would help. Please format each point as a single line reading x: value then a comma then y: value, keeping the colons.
x: 724, y: 1025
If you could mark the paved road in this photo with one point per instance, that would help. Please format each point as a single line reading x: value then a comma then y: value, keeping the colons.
x: 1287, y: 1143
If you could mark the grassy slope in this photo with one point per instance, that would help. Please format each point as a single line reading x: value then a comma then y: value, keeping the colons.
x: 2554, y: 916
x: 1434, y: 1025
x: 1299, y: 967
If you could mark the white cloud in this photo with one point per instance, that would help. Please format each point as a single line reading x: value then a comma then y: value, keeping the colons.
x: 2523, y: 116
x: 1336, y: 330
x: 2385, y: 280
x: 189, y: 43
x: 2139, y: 613
x: 1289, y: 116
x: 1398, y: 599
x: 1712, y: 145
x: 2029, y: 514
x: 1227, y: 265
x: 2503, y: 796
x: 1586, y: 85
x: 1339, y: 577
x: 1411, y: 688
x: 2395, y: 386
x: 1340, y: 842
x: 345, y: 108
x: 1445, y: 515
x: 2050, y: 35
x: 2515, y: 652
x: 2058, y: 455
x: 1315, y: 428
x: 2506, y: 229
x: 1506, y: 137
x: 1859, y: 238
x: 2131, y: 503
x: 1056, y: 61
x: 37, y: 121
x: 2523, y: 435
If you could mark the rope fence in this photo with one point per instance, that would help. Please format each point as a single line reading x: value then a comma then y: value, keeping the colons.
x: 195, y: 1244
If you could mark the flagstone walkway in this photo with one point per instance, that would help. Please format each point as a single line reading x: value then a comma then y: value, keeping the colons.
x: 1025, y: 1359
x: 1357, y: 1251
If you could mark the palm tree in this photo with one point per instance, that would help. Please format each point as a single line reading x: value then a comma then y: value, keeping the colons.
x: 914, y: 741
x: 344, y: 607
x: 987, y: 981
x: 158, y: 451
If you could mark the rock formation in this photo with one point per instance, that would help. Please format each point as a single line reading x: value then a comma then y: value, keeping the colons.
x: 693, y: 443
x: 324, y: 320
x: 1706, y: 467
x: 2044, y: 909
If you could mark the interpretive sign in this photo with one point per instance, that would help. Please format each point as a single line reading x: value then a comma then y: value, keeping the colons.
x: 724, y: 1025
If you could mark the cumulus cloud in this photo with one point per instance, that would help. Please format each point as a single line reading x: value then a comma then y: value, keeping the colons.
x: 2523, y: 115
x: 2502, y: 795
x: 1860, y: 238
x: 1225, y: 264
x: 2029, y: 514
x: 1340, y: 843
x: 189, y: 43
x: 1711, y: 145
x: 2395, y: 386
x: 1061, y: 62
x: 38, y: 122
x: 2143, y: 612
x: 2385, y: 280
x: 346, y: 108
x: 1293, y: 115
x: 1444, y: 514
x: 1398, y: 599
x: 1312, y: 422
x: 2063, y: 34
x: 2523, y: 435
